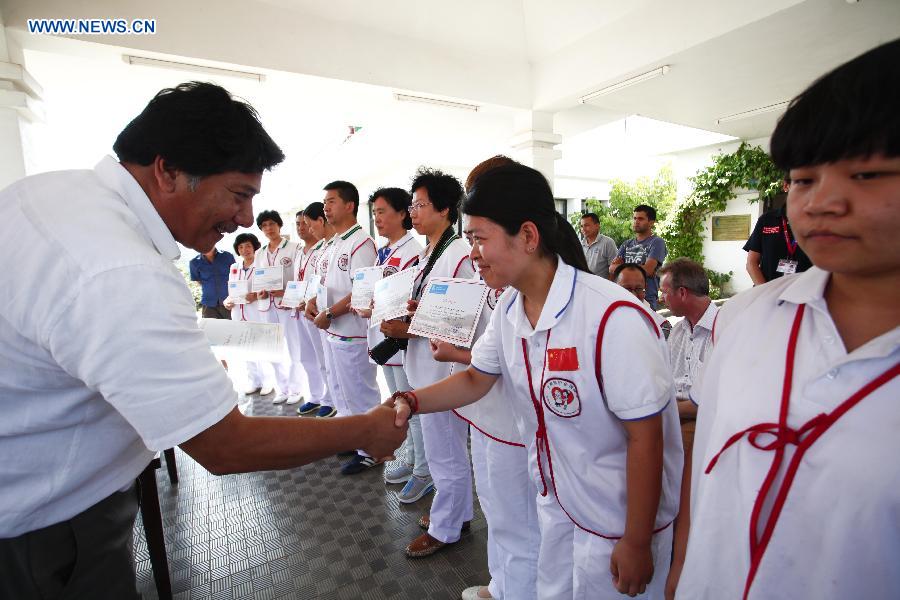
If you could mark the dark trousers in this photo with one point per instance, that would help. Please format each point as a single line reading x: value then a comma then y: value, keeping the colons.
x: 215, y: 312
x: 88, y: 556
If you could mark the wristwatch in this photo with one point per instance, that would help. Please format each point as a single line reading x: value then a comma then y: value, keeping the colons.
x: 328, y: 314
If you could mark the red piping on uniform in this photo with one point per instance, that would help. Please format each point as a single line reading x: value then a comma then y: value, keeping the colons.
x: 541, y: 433
x: 459, y: 264
x: 486, y: 434
x: 368, y: 239
x: 803, y: 437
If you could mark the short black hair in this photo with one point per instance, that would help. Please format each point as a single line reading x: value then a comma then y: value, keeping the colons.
x: 592, y: 216
x: 198, y: 128
x: 399, y: 200
x: 444, y: 190
x: 246, y: 237
x: 626, y: 266
x: 314, y: 211
x: 853, y: 111
x: 346, y: 191
x: 646, y: 209
x: 268, y: 215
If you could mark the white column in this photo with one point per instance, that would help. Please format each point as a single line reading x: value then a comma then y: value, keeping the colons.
x: 534, y: 143
x: 19, y: 102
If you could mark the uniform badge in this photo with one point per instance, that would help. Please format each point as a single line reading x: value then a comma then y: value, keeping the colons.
x: 390, y: 270
x: 285, y: 261
x: 344, y: 262
x: 493, y: 296
x: 234, y: 270
x: 323, y: 265
x: 561, y: 397
x: 562, y: 359
x: 393, y: 261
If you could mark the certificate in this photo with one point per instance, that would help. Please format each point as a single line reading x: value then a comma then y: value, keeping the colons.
x: 322, y: 297
x: 449, y: 310
x: 238, y: 290
x: 312, y: 289
x: 391, y: 295
x: 245, y: 339
x: 268, y: 278
x: 364, y: 281
x: 294, y: 294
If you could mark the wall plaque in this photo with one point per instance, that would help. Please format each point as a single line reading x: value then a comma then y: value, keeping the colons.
x: 730, y: 228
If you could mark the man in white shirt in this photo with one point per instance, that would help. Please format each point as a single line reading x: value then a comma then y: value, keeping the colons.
x: 684, y: 286
x: 599, y: 250
x: 89, y: 390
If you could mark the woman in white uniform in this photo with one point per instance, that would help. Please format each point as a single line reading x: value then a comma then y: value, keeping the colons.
x: 279, y: 252
x: 795, y: 482
x: 587, y: 373
x: 311, y: 354
x: 434, y: 211
x: 245, y: 246
x: 390, y: 208
x: 321, y: 229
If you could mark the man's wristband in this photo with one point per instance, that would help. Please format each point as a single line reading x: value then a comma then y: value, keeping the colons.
x: 328, y: 314
x: 411, y: 400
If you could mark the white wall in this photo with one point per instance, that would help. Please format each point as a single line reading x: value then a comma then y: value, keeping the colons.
x: 720, y: 256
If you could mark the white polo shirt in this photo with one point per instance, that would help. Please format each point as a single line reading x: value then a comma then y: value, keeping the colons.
x: 552, y: 374
x: 420, y: 366
x: 492, y: 415
x: 403, y: 254
x: 838, y: 533
x: 101, y: 360
x: 349, y: 251
x: 284, y: 257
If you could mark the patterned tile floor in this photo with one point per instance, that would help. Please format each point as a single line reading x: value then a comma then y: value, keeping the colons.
x: 304, y: 533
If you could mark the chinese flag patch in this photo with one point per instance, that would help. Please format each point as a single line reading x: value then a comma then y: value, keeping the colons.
x: 562, y: 359
x: 393, y: 261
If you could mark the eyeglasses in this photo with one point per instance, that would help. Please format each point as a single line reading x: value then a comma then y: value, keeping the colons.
x: 635, y: 290
x: 415, y: 207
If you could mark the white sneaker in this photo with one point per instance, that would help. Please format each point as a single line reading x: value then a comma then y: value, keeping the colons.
x: 268, y: 389
x: 280, y: 398
x: 472, y: 593
x: 294, y: 398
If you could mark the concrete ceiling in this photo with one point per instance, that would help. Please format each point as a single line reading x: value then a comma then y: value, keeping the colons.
x: 726, y: 56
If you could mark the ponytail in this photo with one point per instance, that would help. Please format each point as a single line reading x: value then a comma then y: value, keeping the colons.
x: 568, y: 246
x: 513, y: 194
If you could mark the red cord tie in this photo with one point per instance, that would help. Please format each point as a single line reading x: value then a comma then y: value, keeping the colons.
x: 781, y: 436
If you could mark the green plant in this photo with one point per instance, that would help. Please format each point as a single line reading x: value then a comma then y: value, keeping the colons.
x: 658, y: 191
x: 713, y: 187
x: 193, y: 286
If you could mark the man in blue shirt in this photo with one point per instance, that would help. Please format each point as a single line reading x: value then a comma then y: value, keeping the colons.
x: 211, y: 270
x: 644, y: 249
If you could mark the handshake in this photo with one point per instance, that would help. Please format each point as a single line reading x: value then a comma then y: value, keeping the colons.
x: 389, y: 422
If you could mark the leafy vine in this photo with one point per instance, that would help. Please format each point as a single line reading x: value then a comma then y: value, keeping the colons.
x: 747, y: 167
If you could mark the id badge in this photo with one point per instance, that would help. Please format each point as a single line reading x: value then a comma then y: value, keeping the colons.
x: 321, y: 297
x: 787, y: 266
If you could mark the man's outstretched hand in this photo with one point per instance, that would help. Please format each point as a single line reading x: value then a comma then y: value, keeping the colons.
x: 388, y: 432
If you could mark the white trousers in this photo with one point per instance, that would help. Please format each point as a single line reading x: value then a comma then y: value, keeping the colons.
x: 507, y: 497
x: 357, y: 378
x: 312, y: 357
x: 575, y: 564
x: 289, y: 375
x: 445, y: 437
x: 414, y: 446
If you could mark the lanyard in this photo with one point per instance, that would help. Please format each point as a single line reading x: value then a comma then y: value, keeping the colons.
x: 302, y: 272
x: 791, y: 243
x: 270, y: 258
x: 803, y: 437
x: 244, y: 270
x: 541, y: 434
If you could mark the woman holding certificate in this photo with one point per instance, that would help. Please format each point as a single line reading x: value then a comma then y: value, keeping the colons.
x: 278, y: 256
x: 390, y: 207
x: 242, y: 303
x: 604, y: 442
x: 434, y: 211
x: 311, y: 226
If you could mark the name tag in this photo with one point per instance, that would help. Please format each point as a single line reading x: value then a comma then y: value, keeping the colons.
x: 562, y: 359
x: 787, y: 266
